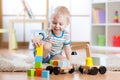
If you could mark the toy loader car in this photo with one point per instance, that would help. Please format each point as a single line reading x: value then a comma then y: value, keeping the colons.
x: 58, y: 67
x: 89, y: 68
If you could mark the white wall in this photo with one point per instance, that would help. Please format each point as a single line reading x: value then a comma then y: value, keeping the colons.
x: 80, y: 19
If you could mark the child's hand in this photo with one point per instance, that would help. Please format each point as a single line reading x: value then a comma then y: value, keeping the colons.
x: 37, y: 40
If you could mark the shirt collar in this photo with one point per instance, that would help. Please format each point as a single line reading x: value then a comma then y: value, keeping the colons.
x: 58, y: 36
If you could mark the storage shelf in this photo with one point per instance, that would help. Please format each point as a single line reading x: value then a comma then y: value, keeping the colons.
x: 110, y: 28
x: 113, y: 24
x: 98, y: 2
x: 113, y: 1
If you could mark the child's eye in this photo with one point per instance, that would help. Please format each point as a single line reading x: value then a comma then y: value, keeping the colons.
x: 60, y: 24
x: 54, y: 23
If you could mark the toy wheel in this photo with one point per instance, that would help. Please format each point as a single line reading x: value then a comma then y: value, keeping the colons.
x: 56, y: 70
x: 72, y: 70
x: 102, y: 69
x: 93, y: 71
x: 50, y: 68
x: 81, y: 69
x: 74, y: 53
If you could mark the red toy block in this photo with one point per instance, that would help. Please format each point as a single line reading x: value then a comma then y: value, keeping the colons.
x: 116, y: 41
x: 38, y: 71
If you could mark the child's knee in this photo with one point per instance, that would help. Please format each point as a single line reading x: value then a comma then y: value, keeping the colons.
x: 47, y: 46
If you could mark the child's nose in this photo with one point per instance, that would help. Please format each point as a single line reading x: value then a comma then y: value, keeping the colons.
x: 57, y: 25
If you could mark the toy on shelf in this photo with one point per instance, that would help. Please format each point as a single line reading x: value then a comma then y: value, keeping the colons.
x: 116, y: 41
x: 116, y: 20
x: 57, y: 67
x: 89, y: 67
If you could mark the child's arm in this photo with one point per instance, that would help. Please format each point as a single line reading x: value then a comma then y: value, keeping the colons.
x: 38, y: 37
x: 68, y: 51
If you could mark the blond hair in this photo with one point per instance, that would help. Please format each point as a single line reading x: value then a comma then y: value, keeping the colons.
x: 62, y: 11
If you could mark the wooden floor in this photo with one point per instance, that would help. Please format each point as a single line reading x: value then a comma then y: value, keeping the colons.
x: 74, y: 76
x: 110, y: 75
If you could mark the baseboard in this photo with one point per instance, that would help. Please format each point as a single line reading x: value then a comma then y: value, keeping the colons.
x: 21, y: 45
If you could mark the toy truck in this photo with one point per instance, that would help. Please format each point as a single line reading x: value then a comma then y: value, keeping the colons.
x: 89, y: 68
x: 58, y: 67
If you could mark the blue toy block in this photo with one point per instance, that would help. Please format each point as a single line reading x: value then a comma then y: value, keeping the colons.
x: 45, y: 74
x: 64, y: 63
x: 38, y: 59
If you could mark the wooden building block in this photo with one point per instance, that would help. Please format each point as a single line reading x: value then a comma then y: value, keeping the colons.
x: 38, y: 64
x: 31, y: 72
x: 38, y: 58
x: 39, y: 51
x: 38, y: 71
x: 45, y: 74
x: 54, y: 62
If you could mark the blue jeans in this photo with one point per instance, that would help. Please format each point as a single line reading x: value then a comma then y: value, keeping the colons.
x: 47, y: 59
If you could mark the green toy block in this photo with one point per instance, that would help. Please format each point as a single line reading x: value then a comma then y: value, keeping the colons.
x: 38, y: 64
x: 31, y: 72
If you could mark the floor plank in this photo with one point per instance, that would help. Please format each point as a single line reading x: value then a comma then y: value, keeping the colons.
x: 75, y: 76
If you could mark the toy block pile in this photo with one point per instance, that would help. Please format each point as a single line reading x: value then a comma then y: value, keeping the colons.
x: 38, y: 71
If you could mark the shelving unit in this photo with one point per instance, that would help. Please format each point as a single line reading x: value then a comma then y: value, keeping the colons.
x: 109, y: 28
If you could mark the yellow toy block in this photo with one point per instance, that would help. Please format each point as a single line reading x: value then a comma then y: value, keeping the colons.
x: 39, y: 51
x: 89, y: 61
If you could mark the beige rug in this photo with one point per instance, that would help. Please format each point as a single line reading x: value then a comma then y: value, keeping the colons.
x: 16, y: 62
x: 23, y: 62
x: 113, y: 62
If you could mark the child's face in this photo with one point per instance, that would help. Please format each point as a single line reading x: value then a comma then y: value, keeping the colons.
x: 59, y: 23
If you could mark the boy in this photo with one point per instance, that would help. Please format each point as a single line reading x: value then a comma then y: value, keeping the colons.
x: 56, y: 39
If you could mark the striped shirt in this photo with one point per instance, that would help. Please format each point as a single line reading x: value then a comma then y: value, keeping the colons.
x: 58, y: 42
